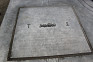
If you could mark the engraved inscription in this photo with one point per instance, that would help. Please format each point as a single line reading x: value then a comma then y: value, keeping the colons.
x: 48, y: 25
x: 67, y: 24
x: 28, y: 25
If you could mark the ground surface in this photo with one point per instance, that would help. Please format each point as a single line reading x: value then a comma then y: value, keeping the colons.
x: 83, y: 10
x: 3, y: 7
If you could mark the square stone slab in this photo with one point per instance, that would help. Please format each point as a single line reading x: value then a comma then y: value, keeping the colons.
x: 47, y: 31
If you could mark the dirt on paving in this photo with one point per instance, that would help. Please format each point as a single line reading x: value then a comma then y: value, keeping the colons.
x: 3, y: 7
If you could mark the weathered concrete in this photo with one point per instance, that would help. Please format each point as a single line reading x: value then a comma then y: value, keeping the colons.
x: 66, y: 37
x: 84, y: 13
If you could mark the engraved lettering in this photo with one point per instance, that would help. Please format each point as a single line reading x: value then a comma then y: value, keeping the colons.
x: 47, y: 25
x: 28, y: 25
x: 67, y: 24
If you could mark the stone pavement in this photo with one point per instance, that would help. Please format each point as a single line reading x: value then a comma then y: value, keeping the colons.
x: 83, y: 11
x: 3, y: 7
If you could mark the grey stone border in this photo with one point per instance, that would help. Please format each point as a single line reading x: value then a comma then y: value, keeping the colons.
x: 86, y: 5
x: 46, y: 57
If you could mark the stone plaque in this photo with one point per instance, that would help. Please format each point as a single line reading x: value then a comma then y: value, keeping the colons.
x: 47, y: 32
